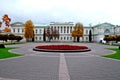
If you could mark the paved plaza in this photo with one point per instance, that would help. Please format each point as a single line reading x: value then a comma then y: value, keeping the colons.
x: 36, y: 65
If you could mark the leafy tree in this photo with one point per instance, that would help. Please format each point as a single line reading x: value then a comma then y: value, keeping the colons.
x: 7, y: 29
x: 112, y: 38
x: 78, y: 31
x: 117, y: 38
x: 55, y: 33
x: 4, y: 37
x: 11, y: 37
x: 29, y: 30
x: 18, y: 38
x: 52, y: 33
x: 90, y: 36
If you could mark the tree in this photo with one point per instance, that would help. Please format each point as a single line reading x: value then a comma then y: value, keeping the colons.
x: 78, y: 31
x: 0, y: 24
x: 33, y: 39
x: 29, y: 30
x: 55, y: 33
x: 117, y: 38
x: 7, y: 29
x: 49, y: 33
x: 52, y: 33
x: 18, y: 38
x: 44, y: 36
x: 90, y: 36
x: 11, y: 37
x: 4, y: 37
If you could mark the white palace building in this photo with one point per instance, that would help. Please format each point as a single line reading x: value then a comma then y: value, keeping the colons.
x: 98, y: 31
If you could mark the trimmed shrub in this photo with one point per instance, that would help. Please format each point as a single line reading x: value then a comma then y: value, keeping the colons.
x: 2, y: 46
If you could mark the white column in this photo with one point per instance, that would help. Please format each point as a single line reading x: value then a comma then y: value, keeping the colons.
x: 69, y: 29
x: 62, y: 29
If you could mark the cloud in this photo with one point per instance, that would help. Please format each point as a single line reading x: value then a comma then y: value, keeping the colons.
x: 45, y: 11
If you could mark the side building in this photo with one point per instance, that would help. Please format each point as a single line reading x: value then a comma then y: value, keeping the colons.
x: 101, y: 30
x: 17, y: 28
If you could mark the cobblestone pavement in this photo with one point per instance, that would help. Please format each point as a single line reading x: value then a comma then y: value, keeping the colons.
x: 60, y: 66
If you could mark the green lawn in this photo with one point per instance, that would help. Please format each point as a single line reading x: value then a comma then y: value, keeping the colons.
x: 115, y: 55
x: 5, y: 54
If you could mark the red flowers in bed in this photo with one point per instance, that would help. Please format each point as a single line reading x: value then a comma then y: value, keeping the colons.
x: 62, y: 47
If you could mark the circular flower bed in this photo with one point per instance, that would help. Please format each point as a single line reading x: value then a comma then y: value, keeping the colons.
x: 61, y: 48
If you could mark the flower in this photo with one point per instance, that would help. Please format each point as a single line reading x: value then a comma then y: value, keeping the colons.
x: 62, y: 47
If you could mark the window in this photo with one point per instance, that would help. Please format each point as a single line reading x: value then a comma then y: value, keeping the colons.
x: 70, y: 38
x: 36, y: 31
x: 61, y: 29
x: 83, y: 38
x: 18, y: 30
x: 58, y: 28
x: 107, y: 31
x: 13, y: 29
x: 22, y: 30
x: 61, y: 38
x: 86, y: 38
x: 64, y: 38
x: 70, y: 28
x: 40, y: 31
x: 36, y: 38
x: 40, y: 38
x: 67, y: 29
x: 67, y: 38
x: 86, y: 31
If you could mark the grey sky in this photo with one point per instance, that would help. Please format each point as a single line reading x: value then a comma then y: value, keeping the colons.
x: 45, y: 11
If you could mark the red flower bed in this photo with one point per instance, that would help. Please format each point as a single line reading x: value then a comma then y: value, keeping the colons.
x: 61, y: 47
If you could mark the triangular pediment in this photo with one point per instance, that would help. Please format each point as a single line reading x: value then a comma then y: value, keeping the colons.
x: 17, y: 24
x: 105, y: 25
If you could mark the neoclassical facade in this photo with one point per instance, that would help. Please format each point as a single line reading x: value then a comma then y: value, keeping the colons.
x: 101, y: 30
x: 65, y: 28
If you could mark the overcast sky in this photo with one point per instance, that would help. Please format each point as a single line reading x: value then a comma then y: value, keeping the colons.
x: 46, y: 11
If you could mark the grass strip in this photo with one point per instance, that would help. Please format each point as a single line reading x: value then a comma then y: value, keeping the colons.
x: 4, y: 53
x: 115, y: 55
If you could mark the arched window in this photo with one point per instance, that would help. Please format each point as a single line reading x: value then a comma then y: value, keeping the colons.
x: 107, y: 31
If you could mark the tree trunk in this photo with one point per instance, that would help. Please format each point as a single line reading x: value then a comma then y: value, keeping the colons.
x: 74, y: 39
x: 78, y: 39
x: 27, y: 39
x: 33, y: 39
